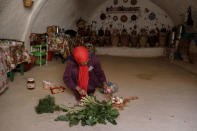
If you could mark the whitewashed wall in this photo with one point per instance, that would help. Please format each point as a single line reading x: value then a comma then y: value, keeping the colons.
x: 13, y: 19
x: 17, y: 22
x: 142, y: 22
x: 130, y: 52
x: 177, y: 9
x: 64, y: 13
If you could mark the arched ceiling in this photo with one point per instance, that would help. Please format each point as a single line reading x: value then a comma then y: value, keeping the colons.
x: 17, y: 22
x: 177, y: 8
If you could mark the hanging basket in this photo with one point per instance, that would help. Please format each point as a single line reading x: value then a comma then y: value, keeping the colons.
x: 28, y: 3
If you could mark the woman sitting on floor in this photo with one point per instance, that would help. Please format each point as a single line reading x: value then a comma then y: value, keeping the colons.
x: 83, y: 73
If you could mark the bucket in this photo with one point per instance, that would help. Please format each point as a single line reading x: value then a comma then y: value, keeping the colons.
x: 186, y: 36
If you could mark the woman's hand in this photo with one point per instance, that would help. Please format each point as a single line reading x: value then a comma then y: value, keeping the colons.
x: 107, y: 88
x: 81, y: 91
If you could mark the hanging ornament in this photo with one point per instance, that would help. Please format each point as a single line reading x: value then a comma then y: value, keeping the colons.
x: 115, y: 2
x: 115, y: 18
x: 146, y: 10
x: 189, y: 18
x: 152, y: 16
x: 102, y: 16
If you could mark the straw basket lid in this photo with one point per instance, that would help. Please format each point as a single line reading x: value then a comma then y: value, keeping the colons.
x: 30, y: 79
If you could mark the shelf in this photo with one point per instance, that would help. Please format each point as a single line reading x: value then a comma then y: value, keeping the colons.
x: 113, y: 12
x: 39, y: 48
x: 37, y: 62
x: 122, y: 9
x: 38, y: 53
x: 43, y: 44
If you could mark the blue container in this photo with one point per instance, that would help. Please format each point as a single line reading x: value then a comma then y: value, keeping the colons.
x: 186, y: 36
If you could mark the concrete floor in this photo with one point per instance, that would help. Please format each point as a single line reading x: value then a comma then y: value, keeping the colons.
x: 167, y: 97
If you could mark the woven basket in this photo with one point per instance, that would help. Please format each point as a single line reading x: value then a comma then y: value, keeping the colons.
x: 143, y: 41
x: 162, y: 40
x: 28, y: 3
x: 115, y: 40
x: 49, y: 29
x: 124, y: 40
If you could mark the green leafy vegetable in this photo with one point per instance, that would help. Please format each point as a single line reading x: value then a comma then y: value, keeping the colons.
x: 93, y: 113
x: 46, y: 105
x: 89, y: 112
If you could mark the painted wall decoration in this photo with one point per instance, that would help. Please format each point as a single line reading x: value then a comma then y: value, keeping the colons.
x: 124, y: 18
x: 133, y: 2
x: 131, y: 14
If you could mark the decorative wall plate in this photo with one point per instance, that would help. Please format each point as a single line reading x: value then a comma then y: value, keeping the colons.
x: 115, y: 2
x: 102, y: 16
x: 125, y: 1
x: 124, y: 18
x: 115, y: 18
x: 152, y: 16
x: 133, y: 2
x: 81, y: 23
x: 133, y: 18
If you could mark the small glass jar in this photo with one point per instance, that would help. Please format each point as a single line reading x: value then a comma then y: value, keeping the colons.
x: 30, y: 83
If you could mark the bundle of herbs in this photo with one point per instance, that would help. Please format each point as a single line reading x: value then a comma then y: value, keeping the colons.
x: 46, y: 105
x: 90, y: 112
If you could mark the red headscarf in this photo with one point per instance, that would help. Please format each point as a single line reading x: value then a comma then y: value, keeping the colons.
x: 80, y: 54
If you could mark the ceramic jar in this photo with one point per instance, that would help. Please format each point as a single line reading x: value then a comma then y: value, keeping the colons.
x: 31, y: 83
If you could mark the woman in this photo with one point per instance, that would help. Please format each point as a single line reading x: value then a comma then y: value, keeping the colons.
x: 83, y: 73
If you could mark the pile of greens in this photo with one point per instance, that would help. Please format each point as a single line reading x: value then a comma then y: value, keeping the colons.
x: 46, y: 105
x: 89, y: 112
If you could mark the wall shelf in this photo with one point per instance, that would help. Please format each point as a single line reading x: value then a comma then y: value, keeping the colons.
x: 114, y: 12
